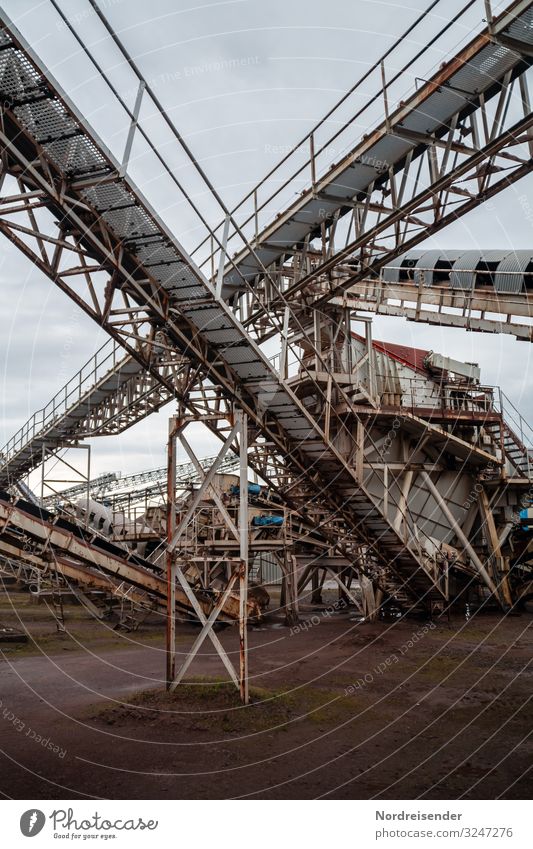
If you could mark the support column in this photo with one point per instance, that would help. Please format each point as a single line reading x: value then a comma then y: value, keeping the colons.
x: 179, y: 538
x: 289, y: 595
x: 316, y: 587
x: 368, y: 598
x: 57, y: 469
x: 499, y: 571
x: 460, y: 535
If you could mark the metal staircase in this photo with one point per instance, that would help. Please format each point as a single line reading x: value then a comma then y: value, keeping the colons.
x: 517, y: 452
x: 519, y: 457
x: 107, y: 395
x: 99, y: 213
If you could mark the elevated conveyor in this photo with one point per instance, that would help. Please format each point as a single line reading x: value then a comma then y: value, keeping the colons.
x: 443, y: 151
x: 44, y: 540
x: 140, y: 486
x: 487, y: 291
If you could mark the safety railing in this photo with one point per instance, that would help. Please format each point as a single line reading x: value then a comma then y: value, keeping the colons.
x: 479, y: 404
x: 412, y: 57
x: 103, y: 361
x: 307, y: 161
x: 518, y: 432
x: 514, y: 420
x: 419, y: 394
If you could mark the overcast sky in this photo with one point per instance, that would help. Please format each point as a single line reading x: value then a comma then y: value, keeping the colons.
x: 243, y: 80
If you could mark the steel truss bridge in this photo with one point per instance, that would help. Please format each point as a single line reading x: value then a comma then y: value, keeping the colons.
x: 193, y: 327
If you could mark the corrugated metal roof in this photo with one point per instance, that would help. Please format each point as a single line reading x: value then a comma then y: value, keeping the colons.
x: 425, y: 267
x: 463, y: 272
x: 509, y: 274
x: 391, y: 272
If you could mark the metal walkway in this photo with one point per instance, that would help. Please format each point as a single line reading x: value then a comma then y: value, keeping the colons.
x: 139, y: 251
x: 102, y: 223
x: 485, y: 291
x: 108, y: 394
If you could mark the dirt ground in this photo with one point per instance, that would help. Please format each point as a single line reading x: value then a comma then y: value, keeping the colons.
x: 340, y: 709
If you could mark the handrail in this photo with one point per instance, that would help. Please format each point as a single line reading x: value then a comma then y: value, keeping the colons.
x: 310, y: 164
x: 511, y: 414
x: 214, y: 234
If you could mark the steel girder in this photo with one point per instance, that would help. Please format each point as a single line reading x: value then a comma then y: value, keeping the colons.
x: 112, y: 259
x: 140, y: 485
x: 56, y: 546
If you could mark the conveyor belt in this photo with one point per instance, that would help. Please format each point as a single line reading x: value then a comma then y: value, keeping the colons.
x: 68, y: 543
x: 140, y: 486
x: 108, y: 394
